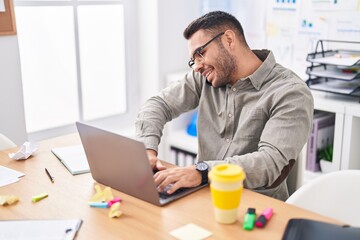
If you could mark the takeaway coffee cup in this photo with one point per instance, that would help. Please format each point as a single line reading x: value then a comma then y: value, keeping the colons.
x: 226, y: 185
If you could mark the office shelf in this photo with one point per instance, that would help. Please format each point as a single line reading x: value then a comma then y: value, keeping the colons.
x: 342, y: 58
x: 351, y: 88
x: 334, y: 71
x: 346, y: 131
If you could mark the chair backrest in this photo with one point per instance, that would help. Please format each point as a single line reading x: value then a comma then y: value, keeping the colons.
x: 294, y: 180
x: 335, y: 195
x: 5, y: 142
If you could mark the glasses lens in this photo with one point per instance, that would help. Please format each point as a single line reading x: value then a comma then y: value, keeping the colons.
x: 191, y: 63
x: 197, y: 58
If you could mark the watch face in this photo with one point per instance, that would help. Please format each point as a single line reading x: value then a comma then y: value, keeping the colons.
x: 201, y: 166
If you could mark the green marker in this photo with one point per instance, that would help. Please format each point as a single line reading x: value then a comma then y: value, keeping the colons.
x: 249, y: 219
x: 39, y: 197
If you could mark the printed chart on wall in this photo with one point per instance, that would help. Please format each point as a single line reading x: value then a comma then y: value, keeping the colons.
x: 282, y: 16
x: 306, y: 22
x: 311, y: 27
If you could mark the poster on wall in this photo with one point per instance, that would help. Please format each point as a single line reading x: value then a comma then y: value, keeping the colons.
x: 281, y: 34
x: 307, y: 21
x: 336, y: 5
x: 347, y: 28
x: 311, y: 27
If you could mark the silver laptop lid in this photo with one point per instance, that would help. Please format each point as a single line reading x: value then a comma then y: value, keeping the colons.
x: 119, y: 162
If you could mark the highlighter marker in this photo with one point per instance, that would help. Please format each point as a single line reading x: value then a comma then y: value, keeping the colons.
x: 264, y: 218
x: 249, y: 219
x: 99, y: 204
x: 39, y: 197
x: 115, y: 200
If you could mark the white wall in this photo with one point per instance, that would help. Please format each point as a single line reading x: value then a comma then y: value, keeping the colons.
x: 163, y: 49
x: 174, y: 17
x: 148, y: 54
x: 12, y: 117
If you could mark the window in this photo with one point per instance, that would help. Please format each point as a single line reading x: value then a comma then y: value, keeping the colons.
x: 73, y: 61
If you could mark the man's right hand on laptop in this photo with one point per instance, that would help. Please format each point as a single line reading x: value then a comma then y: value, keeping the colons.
x: 154, y: 160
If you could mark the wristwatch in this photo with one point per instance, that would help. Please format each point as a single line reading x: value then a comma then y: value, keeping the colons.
x: 203, y: 169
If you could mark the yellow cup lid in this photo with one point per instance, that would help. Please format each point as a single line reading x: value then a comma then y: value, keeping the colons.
x: 227, y: 173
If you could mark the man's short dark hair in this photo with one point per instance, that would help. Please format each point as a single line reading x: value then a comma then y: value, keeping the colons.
x: 215, y: 22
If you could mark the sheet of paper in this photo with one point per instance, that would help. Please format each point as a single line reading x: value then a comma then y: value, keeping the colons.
x: 39, y: 229
x: 8, y: 176
x: 4, y: 182
x: 25, y: 151
x: 347, y: 61
x: 190, y: 232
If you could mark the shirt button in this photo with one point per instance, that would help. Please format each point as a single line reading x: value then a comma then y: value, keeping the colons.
x: 227, y: 140
x: 230, y: 115
x: 234, y: 89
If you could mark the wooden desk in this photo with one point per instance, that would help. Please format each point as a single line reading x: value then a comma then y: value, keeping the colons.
x: 69, y: 195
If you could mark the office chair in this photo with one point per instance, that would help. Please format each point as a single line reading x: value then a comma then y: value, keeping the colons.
x: 335, y: 195
x: 295, y: 177
x: 5, y: 142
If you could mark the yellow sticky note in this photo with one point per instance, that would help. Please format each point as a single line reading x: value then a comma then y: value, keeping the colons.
x: 108, y: 194
x: 102, y: 195
x: 39, y: 197
x: 114, y: 211
x: 190, y: 231
x: 8, y: 199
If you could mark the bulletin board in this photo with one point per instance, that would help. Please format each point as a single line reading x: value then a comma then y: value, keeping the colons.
x: 7, y: 19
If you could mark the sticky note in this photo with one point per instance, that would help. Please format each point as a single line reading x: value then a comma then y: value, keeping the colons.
x: 8, y: 199
x: 114, y: 211
x: 190, y: 232
x: 102, y: 195
x: 39, y: 197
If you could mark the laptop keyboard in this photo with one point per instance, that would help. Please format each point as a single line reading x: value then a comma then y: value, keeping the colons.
x: 165, y: 195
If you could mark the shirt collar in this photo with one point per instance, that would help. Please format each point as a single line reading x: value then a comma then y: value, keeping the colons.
x: 259, y: 76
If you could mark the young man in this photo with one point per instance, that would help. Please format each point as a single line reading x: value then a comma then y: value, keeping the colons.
x: 252, y: 111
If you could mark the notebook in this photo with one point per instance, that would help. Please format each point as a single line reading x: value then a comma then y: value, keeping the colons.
x: 122, y: 163
x: 73, y: 158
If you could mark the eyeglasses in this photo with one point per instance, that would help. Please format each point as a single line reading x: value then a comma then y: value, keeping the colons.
x: 198, y: 52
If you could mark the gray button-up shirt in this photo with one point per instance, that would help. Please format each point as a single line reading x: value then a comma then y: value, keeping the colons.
x: 260, y: 123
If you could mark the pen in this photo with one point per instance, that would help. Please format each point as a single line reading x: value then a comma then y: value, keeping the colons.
x: 49, y: 175
x: 264, y: 218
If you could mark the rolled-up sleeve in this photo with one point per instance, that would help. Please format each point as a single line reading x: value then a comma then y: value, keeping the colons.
x: 179, y: 97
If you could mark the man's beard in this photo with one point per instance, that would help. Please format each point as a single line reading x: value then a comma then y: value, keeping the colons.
x: 226, y: 66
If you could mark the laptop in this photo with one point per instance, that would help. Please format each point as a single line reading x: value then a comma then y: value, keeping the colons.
x: 122, y: 163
